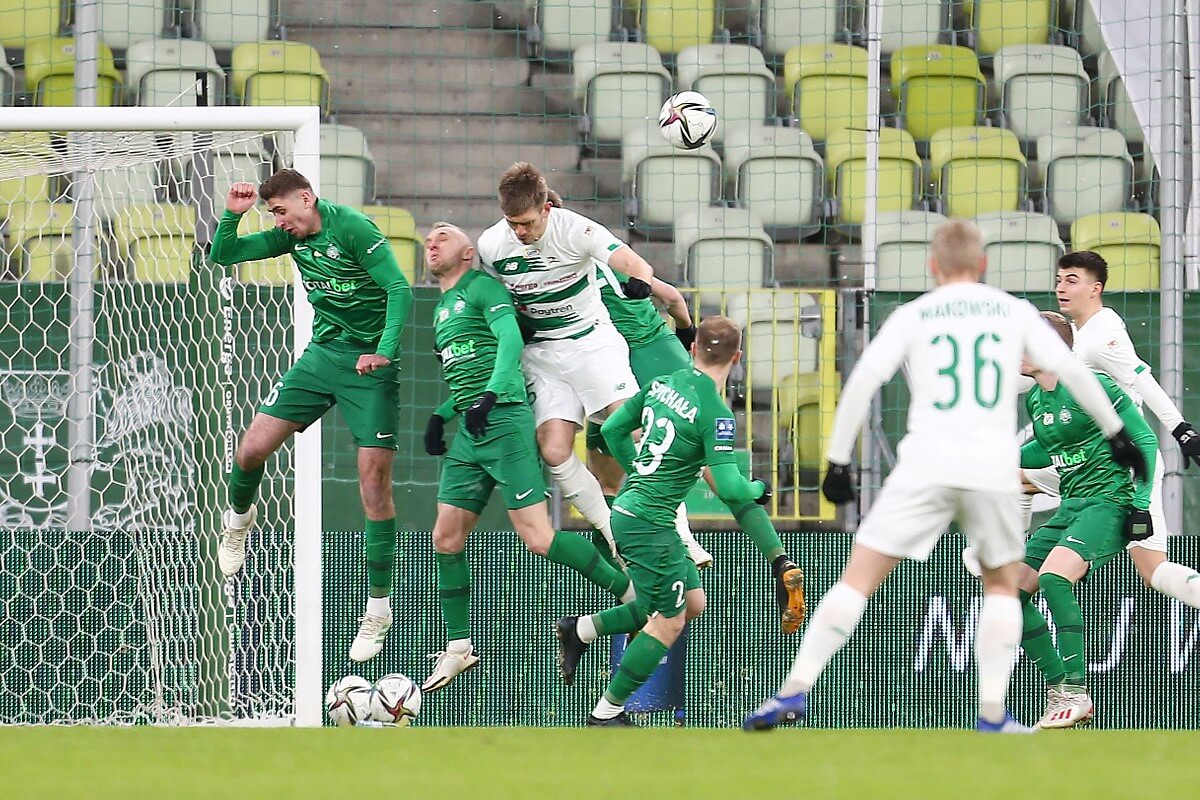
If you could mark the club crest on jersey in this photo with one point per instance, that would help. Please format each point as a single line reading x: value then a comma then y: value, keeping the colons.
x: 1048, y: 418
x: 725, y: 429
x: 443, y: 314
x: 1064, y: 416
x: 332, y: 251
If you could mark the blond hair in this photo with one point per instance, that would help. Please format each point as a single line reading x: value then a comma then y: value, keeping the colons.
x: 522, y: 187
x: 957, y: 247
x: 717, y: 339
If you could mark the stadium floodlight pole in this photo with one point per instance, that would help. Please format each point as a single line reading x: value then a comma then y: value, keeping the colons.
x: 870, y: 467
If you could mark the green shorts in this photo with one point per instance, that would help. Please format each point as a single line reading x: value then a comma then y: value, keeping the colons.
x: 505, y: 457
x: 324, y: 376
x: 657, y: 563
x: 1092, y: 528
x: 659, y: 357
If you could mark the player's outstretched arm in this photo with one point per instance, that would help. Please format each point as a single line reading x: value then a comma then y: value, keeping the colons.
x: 640, y: 273
x: 734, y: 489
x: 677, y: 308
x: 229, y: 248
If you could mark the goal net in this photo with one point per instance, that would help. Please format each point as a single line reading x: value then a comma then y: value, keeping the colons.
x: 129, y: 364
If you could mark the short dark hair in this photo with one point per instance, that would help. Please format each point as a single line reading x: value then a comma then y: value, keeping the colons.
x: 522, y: 188
x: 717, y: 339
x: 283, y: 182
x: 1061, y: 326
x: 1089, y: 261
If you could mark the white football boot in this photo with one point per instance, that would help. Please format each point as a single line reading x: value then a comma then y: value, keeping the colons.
x: 449, y: 665
x: 699, y: 556
x: 1075, y: 707
x: 1054, y: 699
x: 372, y: 633
x: 231, y: 551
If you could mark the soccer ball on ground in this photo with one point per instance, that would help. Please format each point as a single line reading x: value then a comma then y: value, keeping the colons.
x: 395, y: 699
x: 687, y: 120
x: 348, y: 700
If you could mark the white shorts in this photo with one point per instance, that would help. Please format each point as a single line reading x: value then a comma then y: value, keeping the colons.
x: 1046, y: 480
x: 908, y: 518
x: 575, y: 379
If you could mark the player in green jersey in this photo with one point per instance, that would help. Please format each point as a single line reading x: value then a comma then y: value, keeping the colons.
x: 1102, y: 509
x: 360, y: 300
x: 479, y: 344
x: 685, y: 425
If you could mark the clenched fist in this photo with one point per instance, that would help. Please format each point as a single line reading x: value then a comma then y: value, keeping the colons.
x: 241, y: 197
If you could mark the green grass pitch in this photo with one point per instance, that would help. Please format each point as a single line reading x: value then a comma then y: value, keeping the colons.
x: 648, y: 764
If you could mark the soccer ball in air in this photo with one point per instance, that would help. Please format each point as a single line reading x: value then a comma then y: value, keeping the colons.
x: 395, y: 699
x: 348, y: 700
x: 687, y: 120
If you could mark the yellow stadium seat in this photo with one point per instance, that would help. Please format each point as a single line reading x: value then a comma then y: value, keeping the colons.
x: 1130, y: 243
x: 1001, y: 23
x: 827, y: 87
x: 663, y: 181
x: 22, y: 21
x: 156, y: 242
x: 902, y: 250
x: 719, y: 248
x: 279, y: 74
x: 34, y: 187
x: 846, y: 172
x: 776, y: 173
x: 936, y: 87
x: 977, y: 170
x: 398, y: 226
x: 41, y: 236
x: 672, y: 25
x: 779, y: 337
x: 799, y: 399
x: 1022, y: 250
x: 50, y: 73
x: 277, y: 271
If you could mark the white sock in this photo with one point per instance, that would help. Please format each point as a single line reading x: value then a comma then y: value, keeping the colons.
x: 1025, y: 502
x: 683, y: 527
x: 836, y: 617
x: 236, y: 520
x: 585, y: 629
x: 605, y: 709
x: 997, y: 637
x: 460, y: 646
x: 1178, y: 581
x: 630, y: 595
x: 581, y: 489
x: 379, y: 606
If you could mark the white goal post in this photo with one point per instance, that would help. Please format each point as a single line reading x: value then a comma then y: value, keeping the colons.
x: 122, y: 576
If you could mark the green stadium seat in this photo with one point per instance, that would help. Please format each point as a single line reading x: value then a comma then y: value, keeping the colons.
x: 162, y: 72
x: 779, y: 337
x: 1116, y: 108
x: 827, y: 87
x: 997, y: 24
x: 123, y: 22
x: 670, y: 26
x: 41, y: 238
x: 1041, y: 88
x: 558, y: 27
x: 347, y: 167
x: 899, y: 175
x: 734, y: 78
x: 976, y: 170
x: 718, y: 249
x: 1022, y: 250
x: 279, y: 74
x: 225, y: 24
x: 618, y: 86
x: 1130, y: 243
x: 23, y: 21
x: 660, y: 181
x: 398, y: 226
x: 50, y: 73
x: 936, y: 87
x: 1084, y: 171
x: 156, y: 242
x: 278, y: 271
x: 902, y: 250
x: 911, y: 23
x: 789, y: 23
x: 775, y: 173
x: 34, y: 186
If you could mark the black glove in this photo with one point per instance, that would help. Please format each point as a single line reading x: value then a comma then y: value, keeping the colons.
x: 1189, y: 443
x: 837, y: 486
x: 1138, y: 525
x: 1126, y: 453
x: 476, y: 415
x: 765, y: 499
x: 636, y: 289
x: 435, y: 432
x: 686, y: 336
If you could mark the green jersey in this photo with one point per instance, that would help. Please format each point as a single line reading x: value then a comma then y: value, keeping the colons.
x: 1067, y: 438
x: 638, y: 321
x: 356, y: 288
x: 478, y: 341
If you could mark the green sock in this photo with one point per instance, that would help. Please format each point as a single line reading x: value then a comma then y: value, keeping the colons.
x: 243, y: 487
x: 625, y: 618
x: 601, y: 543
x: 637, y: 665
x: 380, y: 547
x: 454, y: 593
x: 576, y: 552
x: 756, y: 524
x: 1037, y: 644
x: 1068, y: 622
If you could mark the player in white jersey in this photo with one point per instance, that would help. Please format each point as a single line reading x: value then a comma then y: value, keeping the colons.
x: 963, y: 344
x: 576, y: 365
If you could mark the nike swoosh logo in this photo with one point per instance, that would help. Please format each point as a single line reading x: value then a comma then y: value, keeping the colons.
x: 501, y: 305
x: 383, y: 435
x: 1068, y: 658
x: 1073, y: 540
x: 371, y: 249
x: 524, y: 494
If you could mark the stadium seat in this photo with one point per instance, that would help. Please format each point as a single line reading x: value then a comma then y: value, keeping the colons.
x: 735, y: 79
x: 278, y: 271
x: 618, y: 85
x: 34, y: 185
x: 780, y: 337
x: 8, y: 81
x: 1085, y: 24
x: 162, y: 72
x: 347, y: 168
x: 898, y: 181
x: 279, y: 74
x: 41, y: 238
x: 1041, y: 88
x: 799, y: 407
x: 976, y: 170
x: 827, y: 87
x: 719, y: 248
x: 225, y: 24
x: 24, y: 21
x: 1130, y: 243
x: 996, y: 24
x: 789, y: 23
x: 775, y: 173
x: 125, y: 180
x: 902, y: 250
x: 661, y: 182
x: 1022, y: 250
x: 50, y: 73
x: 911, y: 23
x: 1084, y: 171
x: 936, y: 87
x: 670, y: 26
x: 123, y: 22
x: 398, y: 226
x: 557, y: 27
x: 156, y: 242
x: 1116, y: 109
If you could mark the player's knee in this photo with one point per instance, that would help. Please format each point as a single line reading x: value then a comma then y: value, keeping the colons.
x: 447, y: 540
x: 250, y: 455
x: 555, y: 452
x: 536, y: 539
x: 697, y: 602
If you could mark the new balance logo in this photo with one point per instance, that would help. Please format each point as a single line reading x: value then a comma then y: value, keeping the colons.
x: 524, y: 494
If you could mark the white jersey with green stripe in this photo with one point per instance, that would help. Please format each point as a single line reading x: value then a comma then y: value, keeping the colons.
x: 1103, y: 343
x: 553, y: 280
